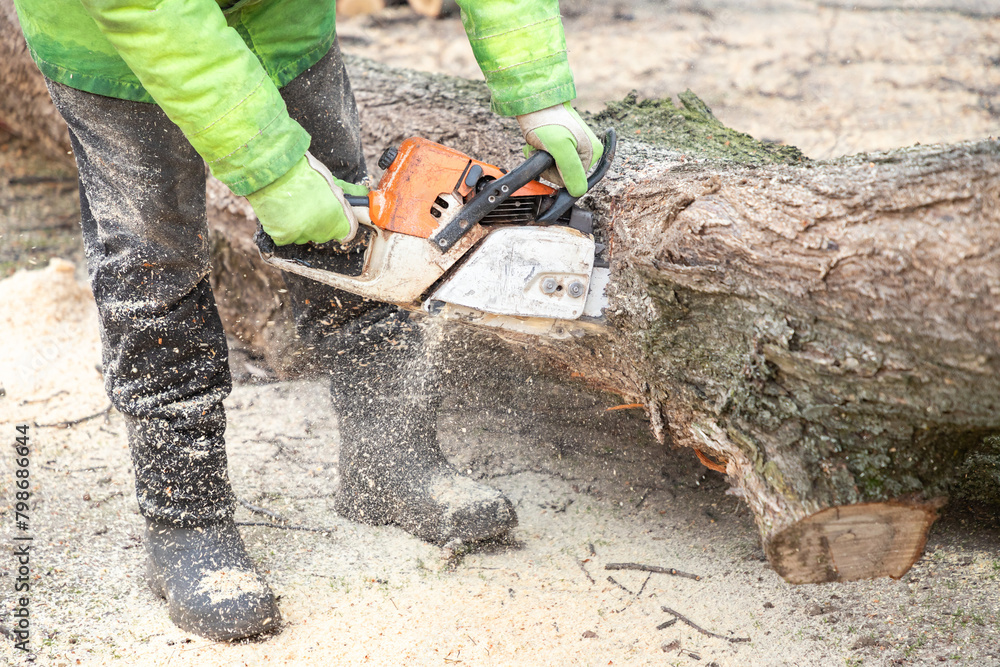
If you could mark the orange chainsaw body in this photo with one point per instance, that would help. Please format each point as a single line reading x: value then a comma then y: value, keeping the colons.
x: 409, y: 195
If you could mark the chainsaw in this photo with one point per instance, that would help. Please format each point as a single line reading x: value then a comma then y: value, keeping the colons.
x: 462, y: 239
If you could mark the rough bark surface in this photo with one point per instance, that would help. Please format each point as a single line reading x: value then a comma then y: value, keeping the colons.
x: 825, y: 331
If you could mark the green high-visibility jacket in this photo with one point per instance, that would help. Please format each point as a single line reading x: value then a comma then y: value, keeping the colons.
x: 215, y: 66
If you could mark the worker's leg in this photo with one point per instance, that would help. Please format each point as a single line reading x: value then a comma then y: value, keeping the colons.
x: 384, y: 375
x: 142, y: 194
x: 320, y: 99
x: 387, y: 394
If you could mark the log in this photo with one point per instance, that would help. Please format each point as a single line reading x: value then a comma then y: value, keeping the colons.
x: 434, y: 8
x: 25, y: 108
x: 825, y: 332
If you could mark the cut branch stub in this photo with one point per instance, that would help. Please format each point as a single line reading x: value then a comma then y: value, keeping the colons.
x: 851, y: 542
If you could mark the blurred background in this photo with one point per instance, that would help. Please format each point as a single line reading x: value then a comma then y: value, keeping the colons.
x: 831, y: 77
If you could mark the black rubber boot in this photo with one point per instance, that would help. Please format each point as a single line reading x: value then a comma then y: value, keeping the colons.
x: 391, y: 468
x: 211, y: 586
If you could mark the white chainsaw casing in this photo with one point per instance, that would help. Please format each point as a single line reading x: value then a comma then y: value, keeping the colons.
x: 525, y: 272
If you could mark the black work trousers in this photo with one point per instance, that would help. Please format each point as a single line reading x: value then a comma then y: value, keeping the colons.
x: 142, y: 195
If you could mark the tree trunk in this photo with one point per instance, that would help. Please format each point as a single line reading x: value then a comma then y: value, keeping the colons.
x: 25, y: 108
x: 824, y: 332
x: 827, y: 331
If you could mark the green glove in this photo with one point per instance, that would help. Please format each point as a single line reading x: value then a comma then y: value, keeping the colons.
x: 561, y: 132
x: 306, y: 204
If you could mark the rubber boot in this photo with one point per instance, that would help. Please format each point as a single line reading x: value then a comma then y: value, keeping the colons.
x: 391, y: 467
x: 211, y: 586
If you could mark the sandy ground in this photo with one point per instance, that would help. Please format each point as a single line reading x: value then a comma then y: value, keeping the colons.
x: 591, y: 486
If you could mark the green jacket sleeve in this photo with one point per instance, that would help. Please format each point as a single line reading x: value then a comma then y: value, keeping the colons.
x: 203, y: 76
x: 521, y: 48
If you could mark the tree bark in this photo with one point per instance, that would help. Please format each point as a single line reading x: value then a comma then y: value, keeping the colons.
x: 827, y: 330
x: 824, y: 332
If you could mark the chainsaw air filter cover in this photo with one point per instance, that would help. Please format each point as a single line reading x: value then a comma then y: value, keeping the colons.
x: 525, y: 272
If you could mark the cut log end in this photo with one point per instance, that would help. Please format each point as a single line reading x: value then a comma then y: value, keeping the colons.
x: 359, y: 7
x: 434, y: 8
x: 851, y: 542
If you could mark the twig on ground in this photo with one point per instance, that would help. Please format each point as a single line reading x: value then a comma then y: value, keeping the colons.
x: 271, y: 524
x: 282, y: 522
x: 68, y: 470
x: 635, y: 597
x: 643, y: 587
x: 708, y: 633
x: 651, y: 568
x: 584, y: 568
x: 262, y: 511
x: 74, y: 422
x: 612, y: 580
x: 47, y: 398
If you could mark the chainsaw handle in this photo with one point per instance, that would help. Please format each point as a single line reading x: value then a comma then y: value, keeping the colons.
x: 499, y: 190
x: 360, y: 204
x: 489, y: 198
x: 564, y: 200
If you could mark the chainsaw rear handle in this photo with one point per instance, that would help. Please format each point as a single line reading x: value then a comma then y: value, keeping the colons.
x: 564, y: 200
x: 533, y: 168
x: 498, y: 191
x: 530, y: 170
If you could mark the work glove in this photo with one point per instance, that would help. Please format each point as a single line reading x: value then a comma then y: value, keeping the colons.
x: 306, y: 204
x: 559, y: 131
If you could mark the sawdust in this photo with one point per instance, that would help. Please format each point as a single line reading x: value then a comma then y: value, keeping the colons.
x: 222, y: 585
x: 453, y: 493
x: 49, y: 367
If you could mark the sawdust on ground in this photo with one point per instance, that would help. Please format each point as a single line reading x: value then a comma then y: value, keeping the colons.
x: 591, y: 488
